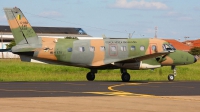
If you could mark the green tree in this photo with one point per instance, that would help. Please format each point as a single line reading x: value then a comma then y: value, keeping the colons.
x: 195, y: 51
x: 9, y: 46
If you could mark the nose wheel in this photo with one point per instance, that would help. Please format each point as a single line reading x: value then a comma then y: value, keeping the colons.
x: 172, y: 76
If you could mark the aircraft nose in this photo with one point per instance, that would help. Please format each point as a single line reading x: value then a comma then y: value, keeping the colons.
x: 195, y: 59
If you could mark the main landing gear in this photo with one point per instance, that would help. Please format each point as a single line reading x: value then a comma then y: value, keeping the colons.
x: 172, y: 76
x: 91, y: 75
x: 125, y: 76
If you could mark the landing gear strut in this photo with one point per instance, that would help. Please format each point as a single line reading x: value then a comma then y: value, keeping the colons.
x: 91, y: 75
x: 172, y: 76
x: 125, y: 76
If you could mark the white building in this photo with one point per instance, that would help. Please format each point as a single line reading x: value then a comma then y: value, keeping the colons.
x: 54, y: 32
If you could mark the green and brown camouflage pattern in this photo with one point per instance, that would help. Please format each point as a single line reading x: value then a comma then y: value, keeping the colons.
x: 20, y: 27
x: 89, y: 53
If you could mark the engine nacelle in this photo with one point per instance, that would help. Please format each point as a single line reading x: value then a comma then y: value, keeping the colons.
x: 137, y: 65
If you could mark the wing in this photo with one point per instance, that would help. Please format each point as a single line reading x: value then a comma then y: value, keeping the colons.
x: 131, y: 59
x: 140, y: 58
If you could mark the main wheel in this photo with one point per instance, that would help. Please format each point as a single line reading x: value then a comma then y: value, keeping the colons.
x: 90, y: 76
x: 171, y: 77
x: 125, y: 77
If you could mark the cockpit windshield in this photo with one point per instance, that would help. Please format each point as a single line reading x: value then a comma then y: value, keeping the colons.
x: 167, y: 47
x: 173, y: 48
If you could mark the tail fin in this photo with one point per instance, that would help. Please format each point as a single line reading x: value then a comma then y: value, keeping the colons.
x: 21, y: 29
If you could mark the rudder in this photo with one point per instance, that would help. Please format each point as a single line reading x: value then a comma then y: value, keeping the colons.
x: 21, y: 29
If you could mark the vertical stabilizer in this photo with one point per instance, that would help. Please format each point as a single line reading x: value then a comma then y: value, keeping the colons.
x: 21, y: 29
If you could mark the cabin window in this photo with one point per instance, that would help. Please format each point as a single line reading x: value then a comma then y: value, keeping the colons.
x: 132, y: 48
x: 142, y: 48
x: 153, y: 47
x: 123, y: 48
x: 69, y: 49
x: 113, y: 48
x: 82, y: 49
x: 92, y: 48
x: 102, y: 48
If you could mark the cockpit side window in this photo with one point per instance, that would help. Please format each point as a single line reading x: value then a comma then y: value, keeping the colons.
x: 167, y: 47
x: 173, y: 48
x: 164, y: 47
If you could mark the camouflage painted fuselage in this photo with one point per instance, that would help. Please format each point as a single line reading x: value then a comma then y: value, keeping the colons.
x: 104, y: 53
x: 141, y: 53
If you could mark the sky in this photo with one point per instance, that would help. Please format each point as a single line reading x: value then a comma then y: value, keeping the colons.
x: 174, y: 19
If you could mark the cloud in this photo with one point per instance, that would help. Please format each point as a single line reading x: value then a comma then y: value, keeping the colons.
x: 173, y: 14
x: 139, y: 4
x: 178, y: 16
x: 50, y: 14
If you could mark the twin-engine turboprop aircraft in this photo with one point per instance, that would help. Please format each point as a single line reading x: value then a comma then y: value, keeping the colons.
x: 94, y: 54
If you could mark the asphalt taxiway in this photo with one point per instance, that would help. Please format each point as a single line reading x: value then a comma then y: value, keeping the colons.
x: 65, y: 89
x: 100, y: 96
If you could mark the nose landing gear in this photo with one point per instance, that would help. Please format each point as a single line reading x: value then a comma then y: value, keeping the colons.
x: 172, y: 76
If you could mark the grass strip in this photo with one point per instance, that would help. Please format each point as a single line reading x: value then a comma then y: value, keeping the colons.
x: 15, y: 70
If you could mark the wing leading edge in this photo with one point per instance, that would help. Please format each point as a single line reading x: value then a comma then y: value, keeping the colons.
x: 132, y: 59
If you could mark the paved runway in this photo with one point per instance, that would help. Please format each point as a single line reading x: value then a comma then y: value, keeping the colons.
x: 100, y: 96
x: 66, y: 89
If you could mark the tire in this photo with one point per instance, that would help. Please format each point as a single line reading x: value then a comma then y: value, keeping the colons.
x: 170, y: 77
x: 90, y: 76
x: 125, y: 77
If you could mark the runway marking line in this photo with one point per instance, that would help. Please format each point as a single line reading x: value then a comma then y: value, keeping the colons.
x: 129, y: 94
x: 115, y: 92
x: 124, y: 84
